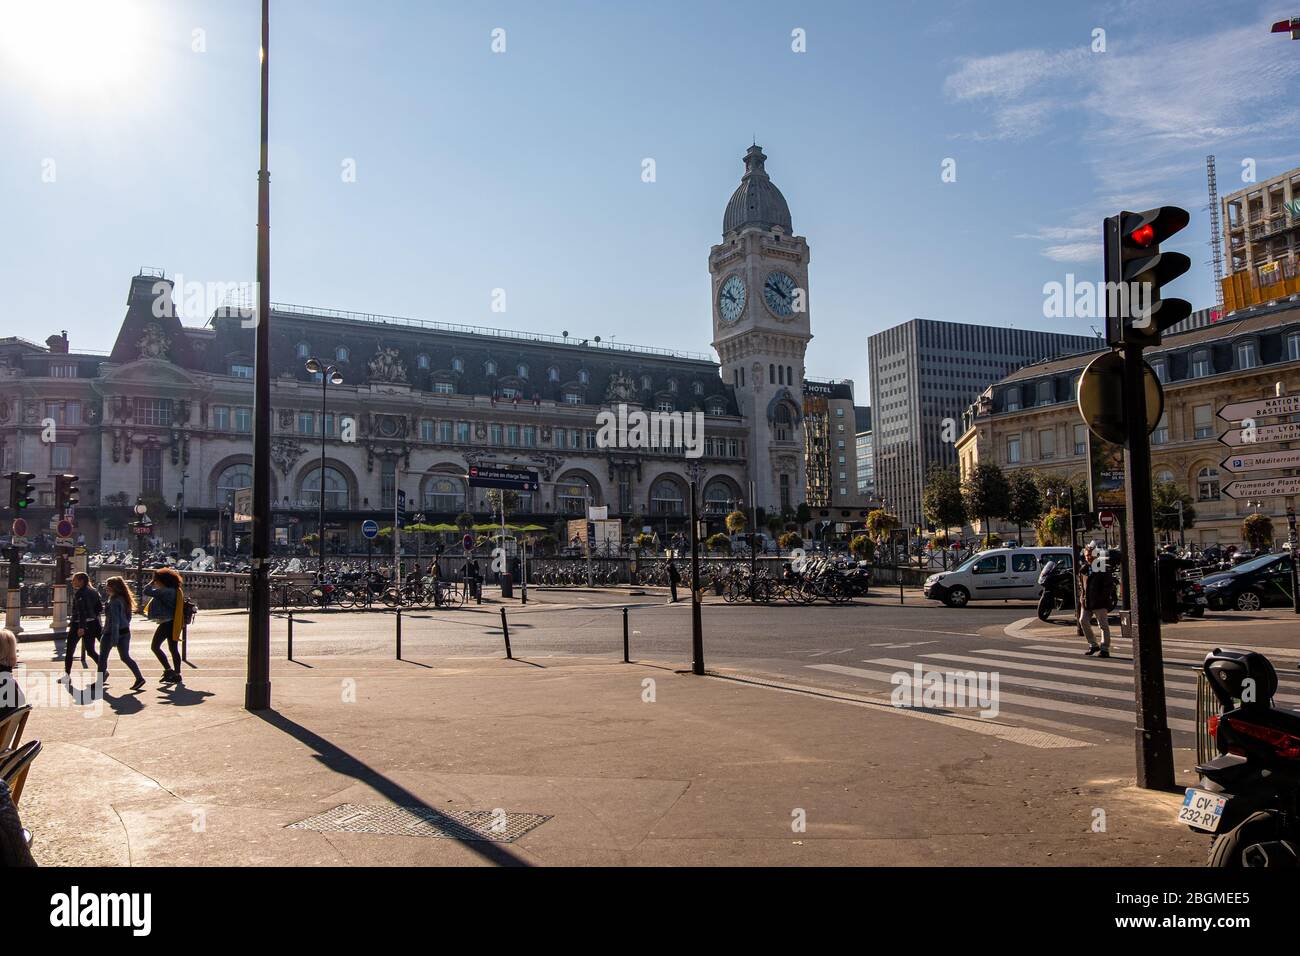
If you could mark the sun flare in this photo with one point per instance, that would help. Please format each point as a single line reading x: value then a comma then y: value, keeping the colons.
x: 71, y: 46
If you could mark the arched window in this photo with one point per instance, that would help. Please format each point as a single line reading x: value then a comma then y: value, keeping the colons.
x: 341, y: 354
x: 445, y: 494
x: 780, y: 375
x: 784, y: 423
x: 718, y: 499
x: 646, y: 383
x: 1200, y: 363
x: 666, y: 497
x: 490, y: 367
x: 521, y: 370
x: 303, y: 350
x: 232, y: 479
x: 698, y: 388
x: 458, y: 364
x: 584, y: 376
x: 422, y: 361
x: 1013, y: 399
x: 552, y: 374
x: 789, y: 375
x: 771, y: 374
x: 571, y: 496
x: 336, y: 489
x: 1164, y: 476
x: 672, y: 385
x: 1207, y: 484
x: 1046, y: 393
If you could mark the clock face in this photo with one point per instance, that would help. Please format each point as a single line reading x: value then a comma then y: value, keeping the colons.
x: 731, y: 299
x: 778, y: 293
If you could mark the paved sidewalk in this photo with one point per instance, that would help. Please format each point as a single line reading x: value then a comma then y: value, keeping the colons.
x: 629, y: 764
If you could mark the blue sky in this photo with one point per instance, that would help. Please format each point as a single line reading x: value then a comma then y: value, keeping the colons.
x: 521, y: 170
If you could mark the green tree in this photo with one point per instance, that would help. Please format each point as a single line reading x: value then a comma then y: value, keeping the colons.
x: 1165, y: 496
x: 719, y: 543
x: 1054, y: 528
x: 1026, y: 503
x: 789, y: 541
x: 736, y: 522
x: 1257, y: 530
x: 988, y: 495
x: 879, y: 523
x: 495, y: 497
x: 465, y: 521
x: 941, y: 500
x: 1054, y: 490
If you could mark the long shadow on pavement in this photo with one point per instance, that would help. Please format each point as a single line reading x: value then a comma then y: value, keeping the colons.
x: 340, y: 761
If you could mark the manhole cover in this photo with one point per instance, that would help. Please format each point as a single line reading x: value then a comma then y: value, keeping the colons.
x: 497, y: 826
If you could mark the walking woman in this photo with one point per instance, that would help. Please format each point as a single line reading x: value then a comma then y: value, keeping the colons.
x: 83, y: 622
x: 117, y: 633
x: 166, y: 606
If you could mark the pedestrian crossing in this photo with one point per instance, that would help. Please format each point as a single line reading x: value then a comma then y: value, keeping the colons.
x: 1051, y: 684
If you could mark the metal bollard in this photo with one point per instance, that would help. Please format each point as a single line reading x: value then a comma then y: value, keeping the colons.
x: 399, y: 633
x: 625, y: 657
x: 185, y: 642
x: 290, y: 634
x: 505, y: 629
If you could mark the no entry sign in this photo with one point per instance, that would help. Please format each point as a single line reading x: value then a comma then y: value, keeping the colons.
x: 1106, y: 519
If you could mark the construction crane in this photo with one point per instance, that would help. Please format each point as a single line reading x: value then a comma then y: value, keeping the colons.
x: 1216, y: 250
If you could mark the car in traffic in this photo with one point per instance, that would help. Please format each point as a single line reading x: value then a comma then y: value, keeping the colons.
x: 1261, y: 582
x: 999, y: 574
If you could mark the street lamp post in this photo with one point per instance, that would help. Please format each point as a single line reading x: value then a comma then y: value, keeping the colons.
x: 141, y: 526
x: 329, y: 375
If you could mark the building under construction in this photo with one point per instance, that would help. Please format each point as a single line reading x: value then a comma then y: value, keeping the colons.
x: 1261, y: 239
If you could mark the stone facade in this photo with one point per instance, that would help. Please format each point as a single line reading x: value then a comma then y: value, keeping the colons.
x: 1031, y: 419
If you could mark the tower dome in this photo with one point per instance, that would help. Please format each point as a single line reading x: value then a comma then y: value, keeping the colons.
x: 756, y: 201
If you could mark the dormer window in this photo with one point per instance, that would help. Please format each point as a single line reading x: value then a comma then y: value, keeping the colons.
x: 1201, y: 363
x: 341, y: 354
x: 552, y: 374
x: 646, y: 383
x: 521, y: 371
x: 490, y: 367
x: 698, y: 388
x: 1046, y: 394
x: 672, y: 385
x: 1247, y: 354
x: 458, y: 365
x: 584, y: 376
x: 303, y: 350
x: 1013, y: 399
x: 716, y: 408
x: 422, y: 361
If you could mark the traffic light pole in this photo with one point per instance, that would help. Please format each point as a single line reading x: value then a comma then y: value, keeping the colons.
x: 1155, y: 762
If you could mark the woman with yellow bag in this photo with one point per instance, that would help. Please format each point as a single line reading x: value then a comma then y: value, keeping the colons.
x: 166, y: 606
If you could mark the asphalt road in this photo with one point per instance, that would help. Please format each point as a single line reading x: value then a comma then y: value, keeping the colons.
x: 1039, y: 681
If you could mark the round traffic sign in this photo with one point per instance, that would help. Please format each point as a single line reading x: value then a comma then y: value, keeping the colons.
x: 1106, y: 519
x: 467, y: 542
x: 20, y: 528
x: 370, y: 528
x: 64, y: 528
x: 1101, y: 397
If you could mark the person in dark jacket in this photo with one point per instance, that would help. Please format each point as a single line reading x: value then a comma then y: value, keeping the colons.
x: 11, y: 694
x: 1096, y: 588
x: 117, y: 630
x: 674, y: 579
x: 83, y: 622
x: 165, y: 606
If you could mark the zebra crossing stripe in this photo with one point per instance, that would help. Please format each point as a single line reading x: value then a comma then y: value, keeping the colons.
x: 1081, y: 690
x: 1033, y: 668
x: 1090, y: 665
x: 1034, y: 703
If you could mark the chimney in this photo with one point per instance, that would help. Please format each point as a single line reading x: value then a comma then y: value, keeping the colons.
x: 58, y: 344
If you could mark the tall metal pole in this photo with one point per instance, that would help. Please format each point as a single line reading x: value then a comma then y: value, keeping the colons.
x: 320, y: 514
x: 753, y: 539
x: 1155, y: 756
x: 697, y: 631
x: 257, y: 689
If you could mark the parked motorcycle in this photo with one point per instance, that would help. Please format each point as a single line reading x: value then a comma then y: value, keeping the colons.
x: 1249, y: 797
x: 1057, y: 581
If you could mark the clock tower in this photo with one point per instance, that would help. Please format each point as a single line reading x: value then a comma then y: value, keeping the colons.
x: 761, y: 330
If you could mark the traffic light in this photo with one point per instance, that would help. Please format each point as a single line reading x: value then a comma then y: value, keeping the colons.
x: 20, y: 490
x: 1135, y: 270
x: 66, y: 492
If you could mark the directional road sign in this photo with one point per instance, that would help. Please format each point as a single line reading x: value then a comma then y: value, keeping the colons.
x: 1261, y: 461
x: 1289, y: 431
x: 500, y: 476
x: 1263, y: 487
x: 1257, y: 408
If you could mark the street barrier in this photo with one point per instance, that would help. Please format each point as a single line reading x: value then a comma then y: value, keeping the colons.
x: 505, y: 629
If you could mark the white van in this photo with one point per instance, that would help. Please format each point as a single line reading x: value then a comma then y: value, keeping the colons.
x: 999, y: 574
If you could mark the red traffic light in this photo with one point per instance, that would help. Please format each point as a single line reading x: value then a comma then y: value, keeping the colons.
x: 1143, y: 235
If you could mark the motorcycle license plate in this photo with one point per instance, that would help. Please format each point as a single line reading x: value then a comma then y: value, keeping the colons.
x: 1202, y: 810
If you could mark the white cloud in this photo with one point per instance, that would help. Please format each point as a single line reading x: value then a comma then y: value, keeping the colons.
x: 1075, y: 251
